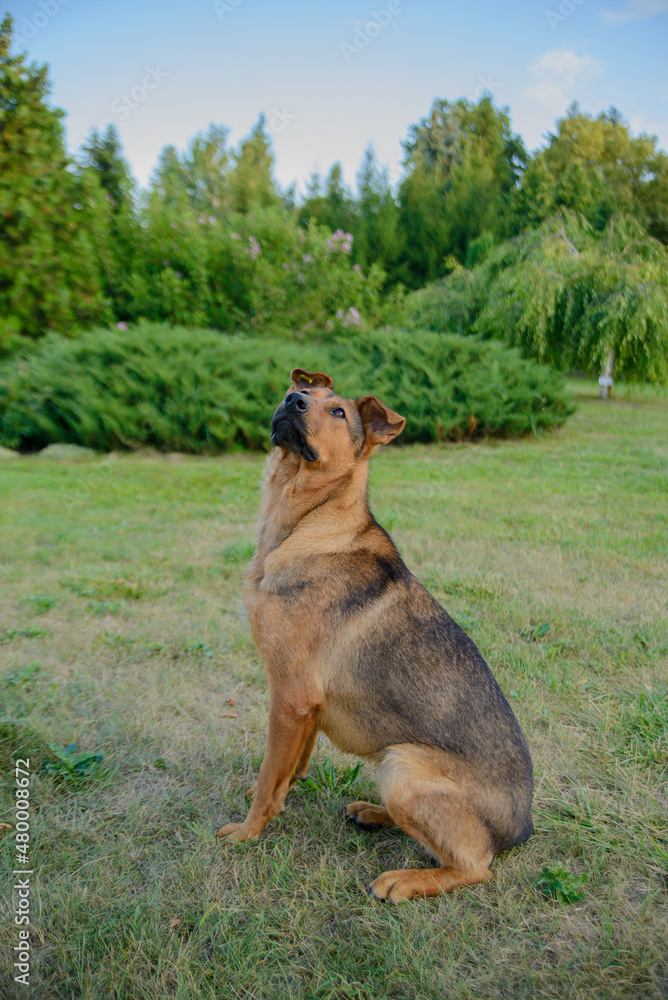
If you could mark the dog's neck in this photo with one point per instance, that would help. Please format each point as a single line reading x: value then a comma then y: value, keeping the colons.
x: 298, y: 499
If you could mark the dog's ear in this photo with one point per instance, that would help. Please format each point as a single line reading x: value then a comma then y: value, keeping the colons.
x: 310, y: 380
x: 380, y: 423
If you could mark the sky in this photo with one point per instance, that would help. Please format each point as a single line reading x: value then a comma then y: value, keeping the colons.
x: 335, y: 75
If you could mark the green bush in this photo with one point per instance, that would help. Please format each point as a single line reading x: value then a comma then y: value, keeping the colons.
x: 205, y: 392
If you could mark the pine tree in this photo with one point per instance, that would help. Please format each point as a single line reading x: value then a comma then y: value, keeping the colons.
x: 252, y: 181
x: 102, y: 155
x: 51, y: 216
x: 377, y: 239
x: 206, y: 172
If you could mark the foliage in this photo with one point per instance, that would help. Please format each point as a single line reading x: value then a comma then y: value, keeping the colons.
x: 565, y: 295
x: 214, y: 243
x: 326, y: 779
x: 52, y: 219
x: 556, y: 883
x: 450, y: 305
x: 70, y: 767
x: 461, y: 163
x: 102, y: 156
x: 331, y: 206
x: 200, y: 391
x: 252, y: 182
x: 594, y: 166
x: 261, y: 271
x: 378, y: 237
x: 645, y: 725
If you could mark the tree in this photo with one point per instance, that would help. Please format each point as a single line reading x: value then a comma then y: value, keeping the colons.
x: 207, y: 170
x: 568, y: 296
x: 331, y: 206
x: 252, y: 180
x: 462, y: 164
x: 103, y: 156
x: 377, y: 239
x: 596, y: 167
x: 51, y: 215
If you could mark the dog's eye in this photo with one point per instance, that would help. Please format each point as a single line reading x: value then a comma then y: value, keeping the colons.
x: 338, y: 412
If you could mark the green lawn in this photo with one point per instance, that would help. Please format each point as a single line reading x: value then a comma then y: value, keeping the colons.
x: 121, y: 631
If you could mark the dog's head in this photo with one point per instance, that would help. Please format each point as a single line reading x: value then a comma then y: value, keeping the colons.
x: 321, y: 427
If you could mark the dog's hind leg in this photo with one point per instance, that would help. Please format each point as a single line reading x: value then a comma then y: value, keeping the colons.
x: 428, y: 794
x: 369, y: 816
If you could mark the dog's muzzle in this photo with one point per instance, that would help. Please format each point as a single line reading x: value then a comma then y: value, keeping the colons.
x: 288, y: 426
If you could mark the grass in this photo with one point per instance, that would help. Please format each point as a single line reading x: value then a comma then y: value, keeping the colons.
x: 121, y: 635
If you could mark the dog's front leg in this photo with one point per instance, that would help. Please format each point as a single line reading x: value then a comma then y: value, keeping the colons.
x: 292, y: 719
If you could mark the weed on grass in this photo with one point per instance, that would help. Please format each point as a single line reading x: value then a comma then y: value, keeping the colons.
x: 555, y: 883
x: 328, y: 780
x: 71, y: 767
x: 10, y: 634
x: 39, y: 604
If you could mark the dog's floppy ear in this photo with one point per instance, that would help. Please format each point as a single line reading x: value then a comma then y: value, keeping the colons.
x: 310, y: 380
x: 380, y: 423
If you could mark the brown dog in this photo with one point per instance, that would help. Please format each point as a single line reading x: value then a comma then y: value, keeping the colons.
x: 356, y: 647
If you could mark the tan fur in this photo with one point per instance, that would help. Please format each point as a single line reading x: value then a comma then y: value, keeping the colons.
x: 354, y: 646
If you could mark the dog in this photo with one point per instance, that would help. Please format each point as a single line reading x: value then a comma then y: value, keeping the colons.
x: 356, y: 647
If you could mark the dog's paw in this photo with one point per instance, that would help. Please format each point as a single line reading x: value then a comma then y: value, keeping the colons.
x: 384, y: 887
x: 368, y: 816
x: 234, y: 833
x: 250, y: 794
x: 415, y: 883
x: 397, y: 886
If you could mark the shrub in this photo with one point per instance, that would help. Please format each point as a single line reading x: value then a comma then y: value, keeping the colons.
x: 261, y: 270
x: 205, y: 392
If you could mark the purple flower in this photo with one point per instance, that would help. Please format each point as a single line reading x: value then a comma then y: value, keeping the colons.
x: 212, y: 220
x: 357, y: 269
x: 122, y: 325
x: 307, y: 258
x: 353, y: 318
x: 255, y: 248
x: 235, y: 236
x: 339, y: 241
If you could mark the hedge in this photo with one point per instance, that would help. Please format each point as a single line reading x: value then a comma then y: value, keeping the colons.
x: 199, y: 391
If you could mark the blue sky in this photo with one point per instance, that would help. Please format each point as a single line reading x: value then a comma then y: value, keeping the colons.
x: 333, y: 76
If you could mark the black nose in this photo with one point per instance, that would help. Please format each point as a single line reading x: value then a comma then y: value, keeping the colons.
x: 295, y: 401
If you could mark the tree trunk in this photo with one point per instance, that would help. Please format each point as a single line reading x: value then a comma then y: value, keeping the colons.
x: 605, y: 381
